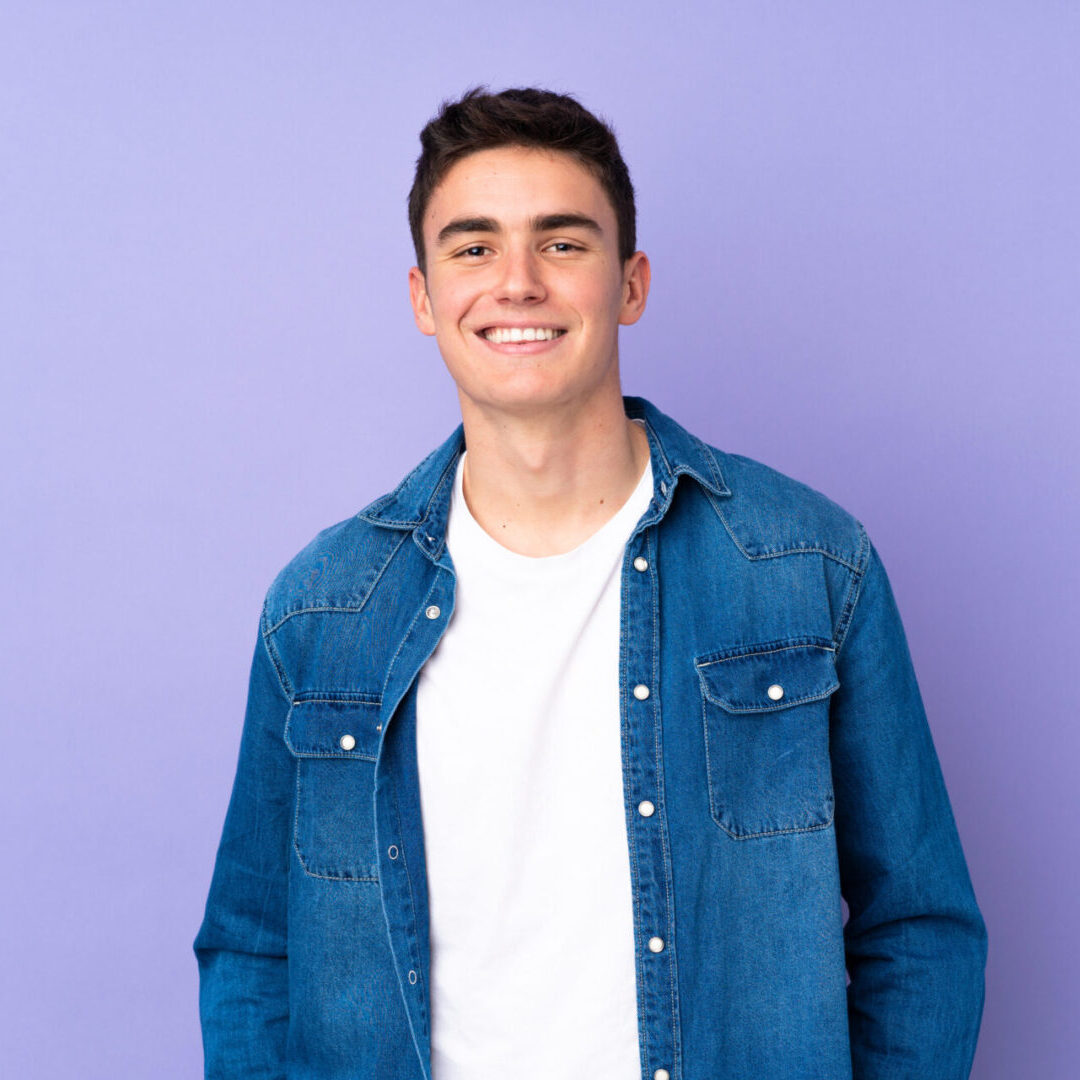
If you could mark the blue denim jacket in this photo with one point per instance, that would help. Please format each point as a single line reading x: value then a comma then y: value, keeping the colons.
x: 783, y: 744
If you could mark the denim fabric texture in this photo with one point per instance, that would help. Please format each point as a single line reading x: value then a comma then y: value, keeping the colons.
x: 783, y: 744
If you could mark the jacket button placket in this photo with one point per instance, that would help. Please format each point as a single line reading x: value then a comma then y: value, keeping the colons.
x: 397, y: 888
x: 647, y: 821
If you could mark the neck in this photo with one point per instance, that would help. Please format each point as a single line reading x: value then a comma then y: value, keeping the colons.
x: 543, y: 483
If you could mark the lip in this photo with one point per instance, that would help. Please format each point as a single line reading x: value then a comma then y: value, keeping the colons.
x: 523, y: 348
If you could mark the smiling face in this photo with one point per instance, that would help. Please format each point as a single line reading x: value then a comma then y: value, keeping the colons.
x: 525, y: 291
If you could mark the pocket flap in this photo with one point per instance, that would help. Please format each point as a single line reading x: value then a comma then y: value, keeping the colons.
x: 769, y: 677
x: 342, y: 727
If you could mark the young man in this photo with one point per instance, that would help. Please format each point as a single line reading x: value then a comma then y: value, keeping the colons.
x: 559, y: 757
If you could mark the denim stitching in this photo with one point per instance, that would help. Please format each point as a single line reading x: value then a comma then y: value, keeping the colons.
x: 414, y: 950
x: 300, y: 758
x: 372, y: 509
x: 654, y: 440
x: 653, y: 696
x: 854, y: 590
x: 740, y: 710
x: 780, y: 832
x: 368, y: 512
x: 327, y: 606
x: 345, y: 755
x: 283, y: 680
x: 446, y: 475
x: 787, y: 703
x: 714, y: 467
x: 320, y: 608
x: 665, y: 840
x: 296, y: 843
x: 810, y: 549
x: 765, y: 649
x: 368, y: 699
x: 279, y: 671
x: 357, y: 697
x: 638, y: 412
x: 387, y: 523
x: 714, y: 809
x: 407, y: 635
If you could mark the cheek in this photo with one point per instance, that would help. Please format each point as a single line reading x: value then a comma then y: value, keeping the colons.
x: 603, y: 306
x: 599, y: 294
x: 453, y: 301
x: 447, y: 310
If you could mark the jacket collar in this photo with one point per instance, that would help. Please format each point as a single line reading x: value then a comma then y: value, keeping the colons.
x: 421, y: 502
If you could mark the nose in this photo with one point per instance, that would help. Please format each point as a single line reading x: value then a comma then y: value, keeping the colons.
x: 520, y: 279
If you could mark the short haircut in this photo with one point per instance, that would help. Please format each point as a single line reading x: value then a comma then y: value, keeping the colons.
x: 530, y: 118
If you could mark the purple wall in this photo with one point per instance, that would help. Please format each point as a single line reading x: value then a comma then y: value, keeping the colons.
x: 864, y: 228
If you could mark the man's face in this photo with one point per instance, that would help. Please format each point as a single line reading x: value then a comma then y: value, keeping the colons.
x: 522, y: 243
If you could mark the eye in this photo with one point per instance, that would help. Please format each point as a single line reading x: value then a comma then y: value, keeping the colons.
x: 565, y: 245
x: 474, y: 251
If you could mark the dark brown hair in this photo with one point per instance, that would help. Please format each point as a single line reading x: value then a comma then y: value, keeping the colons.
x: 526, y: 117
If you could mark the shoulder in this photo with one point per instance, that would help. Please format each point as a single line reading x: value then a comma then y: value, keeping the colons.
x: 341, y: 565
x: 336, y: 569
x: 769, y: 514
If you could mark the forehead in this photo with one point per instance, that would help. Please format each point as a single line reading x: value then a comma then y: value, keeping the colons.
x: 513, y: 183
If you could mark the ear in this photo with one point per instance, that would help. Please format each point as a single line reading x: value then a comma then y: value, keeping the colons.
x: 421, y: 302
x: 636, y: 276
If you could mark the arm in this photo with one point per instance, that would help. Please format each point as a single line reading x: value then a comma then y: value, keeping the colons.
x: 915, y: 942
x: 241, y: 945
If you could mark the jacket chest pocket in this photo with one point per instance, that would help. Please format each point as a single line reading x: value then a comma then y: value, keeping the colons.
x: 766, y: 723
x: 335, y: 741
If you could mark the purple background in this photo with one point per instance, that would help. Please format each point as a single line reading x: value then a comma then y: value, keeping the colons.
x: 864, y: 229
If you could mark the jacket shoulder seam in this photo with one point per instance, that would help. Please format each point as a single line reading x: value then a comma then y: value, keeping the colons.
x: 854, y: 591
x: 279, y: 668
x: 309, y: 606
x: 799, y: 549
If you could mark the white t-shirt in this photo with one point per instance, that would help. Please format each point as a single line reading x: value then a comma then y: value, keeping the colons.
x: 521, y: 791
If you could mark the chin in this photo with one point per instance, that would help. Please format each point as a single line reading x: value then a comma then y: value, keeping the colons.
x: 521, y: 398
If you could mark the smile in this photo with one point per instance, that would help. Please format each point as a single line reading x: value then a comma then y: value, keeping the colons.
x: 502, y: 335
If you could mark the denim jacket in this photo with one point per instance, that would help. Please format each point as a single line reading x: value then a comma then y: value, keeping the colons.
x: 783, y: 745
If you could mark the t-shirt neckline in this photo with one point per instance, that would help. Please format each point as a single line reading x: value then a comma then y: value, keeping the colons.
x: 498, y: 556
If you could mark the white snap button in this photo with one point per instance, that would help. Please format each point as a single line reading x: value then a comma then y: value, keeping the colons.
x: 656, y: 944
x: 641, y: 563
x: 433, y: 611
x: 412, y: 977
x: 646, y: 808
x: 392, y: 851
x: 775, y: 692
x: 347, y: 742
x: 663, y: 488
x: 661, y: 1074
x: 641, y: 691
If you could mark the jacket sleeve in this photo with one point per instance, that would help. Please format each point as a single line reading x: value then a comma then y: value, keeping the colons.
x: 241, y: 945
x: 915, y: 941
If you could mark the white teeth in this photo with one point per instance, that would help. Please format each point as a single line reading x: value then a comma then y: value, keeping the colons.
x: 500, y: 335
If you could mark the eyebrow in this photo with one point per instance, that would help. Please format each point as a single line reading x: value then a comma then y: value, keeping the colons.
x: 540, y: 223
